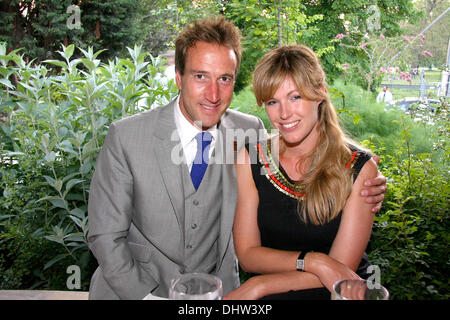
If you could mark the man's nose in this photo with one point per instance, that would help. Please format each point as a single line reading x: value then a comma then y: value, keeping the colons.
x: 212, y: 92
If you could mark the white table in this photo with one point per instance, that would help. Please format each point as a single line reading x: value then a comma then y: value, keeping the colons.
x: 43, y: 295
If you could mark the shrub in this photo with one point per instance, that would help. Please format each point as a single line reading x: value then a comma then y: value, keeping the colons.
x: 55, y: 124
x: 410, y: 235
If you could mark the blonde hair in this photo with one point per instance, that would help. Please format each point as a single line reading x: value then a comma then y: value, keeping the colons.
x: 216, y: 30
x: 327, y: 179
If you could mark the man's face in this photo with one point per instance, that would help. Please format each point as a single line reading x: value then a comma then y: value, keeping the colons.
x: 206, y: 88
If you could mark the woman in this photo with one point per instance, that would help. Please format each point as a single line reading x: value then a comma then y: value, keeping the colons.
x: 303, y: 204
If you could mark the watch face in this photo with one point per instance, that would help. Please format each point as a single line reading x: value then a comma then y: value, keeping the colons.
x: 300, y: 264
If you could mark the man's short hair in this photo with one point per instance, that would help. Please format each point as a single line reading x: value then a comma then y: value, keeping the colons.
x: 216, y: 30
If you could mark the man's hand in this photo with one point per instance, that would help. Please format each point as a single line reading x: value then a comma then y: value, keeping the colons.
x: 376, y: 189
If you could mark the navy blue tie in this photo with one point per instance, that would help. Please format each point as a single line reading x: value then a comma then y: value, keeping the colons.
x: 201, y: 157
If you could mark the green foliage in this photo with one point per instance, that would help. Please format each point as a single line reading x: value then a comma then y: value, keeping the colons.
x: 245, y: 101
x: 40, y: 26
x: 339, y: 16
x: 264, y: 26
x: 377, y: 124
x: 163, y: 20
x: 410, y: 236
x: 267, y: 24
x: 55, y: 125
x: 435, y: 40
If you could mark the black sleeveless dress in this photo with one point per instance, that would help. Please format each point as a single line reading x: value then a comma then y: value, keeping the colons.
x: 280, y: 225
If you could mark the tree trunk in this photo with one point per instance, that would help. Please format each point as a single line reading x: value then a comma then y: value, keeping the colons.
x: 280, y: 39
x: 97, y: 30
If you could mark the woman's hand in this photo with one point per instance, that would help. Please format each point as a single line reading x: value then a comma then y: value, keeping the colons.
x: 328, y: 269
x: 374, y: 189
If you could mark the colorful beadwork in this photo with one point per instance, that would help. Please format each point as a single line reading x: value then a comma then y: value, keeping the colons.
x: 279, y: 181
x: 274, y: 175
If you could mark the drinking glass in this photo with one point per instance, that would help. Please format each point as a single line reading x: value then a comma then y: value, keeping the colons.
x: 358, y: 289
x: 196, y: 286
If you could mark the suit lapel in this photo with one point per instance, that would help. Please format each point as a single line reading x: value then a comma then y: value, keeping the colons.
x: 169, y: 154
x: 229, y: 189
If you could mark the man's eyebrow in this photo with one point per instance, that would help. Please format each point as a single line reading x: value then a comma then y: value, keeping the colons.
x: 207, y: 72
x: 228, y: 75
x: 198, y: 71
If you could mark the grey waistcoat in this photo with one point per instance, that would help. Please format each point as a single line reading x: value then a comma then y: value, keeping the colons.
x: 202, y: 220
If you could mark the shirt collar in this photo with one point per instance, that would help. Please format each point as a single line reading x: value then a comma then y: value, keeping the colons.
x: 186, y: 130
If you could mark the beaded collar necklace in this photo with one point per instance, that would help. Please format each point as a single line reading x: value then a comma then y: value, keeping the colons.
x: 279, y: 180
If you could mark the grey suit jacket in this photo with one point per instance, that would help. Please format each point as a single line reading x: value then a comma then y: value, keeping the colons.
x: 135, y: 209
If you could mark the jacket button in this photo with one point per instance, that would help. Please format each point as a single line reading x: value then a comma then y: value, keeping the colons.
x: 194, y: 226
x: 195, y: 202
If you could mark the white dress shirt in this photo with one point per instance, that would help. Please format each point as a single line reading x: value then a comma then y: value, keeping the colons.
x: 385, y: 96
x: 187, y: 133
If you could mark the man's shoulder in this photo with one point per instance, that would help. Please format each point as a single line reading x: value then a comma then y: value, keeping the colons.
x: 237, y: 119
x: 135, y: 118
x: 145, y: 117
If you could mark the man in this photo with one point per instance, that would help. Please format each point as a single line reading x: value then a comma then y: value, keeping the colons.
x: 385, y: 96
x: 153, y: 217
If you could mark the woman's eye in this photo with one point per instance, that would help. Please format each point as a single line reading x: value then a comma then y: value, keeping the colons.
x: 270, y: 102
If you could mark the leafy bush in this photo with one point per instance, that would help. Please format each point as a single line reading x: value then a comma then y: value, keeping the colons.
x: 54, y: 126
x: 410, y: 239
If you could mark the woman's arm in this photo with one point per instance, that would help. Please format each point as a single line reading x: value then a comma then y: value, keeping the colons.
x: 251, y: 255
x: 375, y: 189
x: 352, y: 237
x: 276, y: 266
x: 356, y: 222
x: 267, y: 284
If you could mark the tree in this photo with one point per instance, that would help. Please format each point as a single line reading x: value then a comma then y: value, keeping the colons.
x: 111, y: 25
x: 435, y: 40
x: 266, y: 24
x: 373, y: 17
x: 378, y: 51
x: 163, y: 20
x: 41, y: 26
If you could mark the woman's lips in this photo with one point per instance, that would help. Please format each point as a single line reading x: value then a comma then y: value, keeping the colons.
x: 290, y: 125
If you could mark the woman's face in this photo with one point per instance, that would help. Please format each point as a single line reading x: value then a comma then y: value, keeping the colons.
x: 295, y: 117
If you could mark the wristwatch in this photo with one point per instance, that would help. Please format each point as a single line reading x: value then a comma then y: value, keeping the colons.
x: 301, y: 261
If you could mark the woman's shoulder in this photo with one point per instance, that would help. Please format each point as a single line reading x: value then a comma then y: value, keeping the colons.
x: 360, y: 156
x: 261, y: 148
